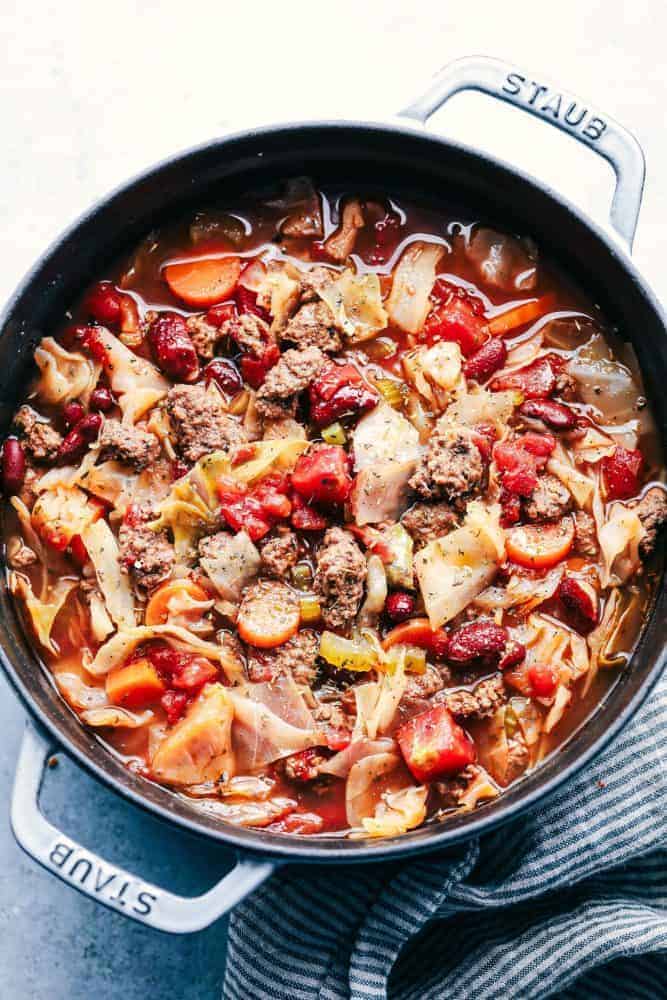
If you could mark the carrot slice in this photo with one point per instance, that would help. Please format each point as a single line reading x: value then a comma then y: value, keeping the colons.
x: 135, y: 685
x: 203, y: 282
x: 520, y: 315
x: 269, y: 615
x: 417, y: 632
x: 157, y: 609
x: 539, y: 546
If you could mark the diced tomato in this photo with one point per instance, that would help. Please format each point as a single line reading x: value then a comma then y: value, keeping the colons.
x: 217, y: 315
x: 622, y: 473
x: 418, y: 632
x: 456, y: 320
x: 78, y: 551
x: 322, y: 474
x: 255, y: 511
x: 255, y: 369
x: 304, y: 517
x: 540, y: 546
x: 297, y: 822
x: 434, y: 745
x: 181, y: 671
x: 519, y: 461
x: 174, y: 703
x: 536, y: 381
x: 543, y: 680
x: 244, y: 513
x: 246, y: 301
x: 339, y: 391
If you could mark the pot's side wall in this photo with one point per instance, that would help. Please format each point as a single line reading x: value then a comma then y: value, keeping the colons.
x: 374, y: 157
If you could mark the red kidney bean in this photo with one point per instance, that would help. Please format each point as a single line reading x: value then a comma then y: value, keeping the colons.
x: 73, y: 412
x: 85, y: 431
x: 556, y: 416
x: 483, y: 641
x: 103, y: 303
x: 490, y: 357
x: 13, y: 466
x: 580, y: 600
x: 173, y: 348
x: 400, y: 606
x: 217, y: 315
x: 225, y: 374
x: 101, y: 400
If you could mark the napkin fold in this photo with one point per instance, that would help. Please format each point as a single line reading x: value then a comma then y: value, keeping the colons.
x: 569, y: 900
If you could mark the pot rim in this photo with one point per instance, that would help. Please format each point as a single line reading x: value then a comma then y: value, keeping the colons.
x: 440, y: 835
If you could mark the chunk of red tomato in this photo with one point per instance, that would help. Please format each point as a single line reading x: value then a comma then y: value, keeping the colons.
x: 457, y: 321
x: 322, y: 475
x: 434, y: 745
x: 622, y: 473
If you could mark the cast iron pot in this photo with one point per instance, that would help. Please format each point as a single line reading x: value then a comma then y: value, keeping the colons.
x: 400, y: 154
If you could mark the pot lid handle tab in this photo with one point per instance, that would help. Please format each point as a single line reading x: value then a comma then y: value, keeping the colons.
x: 558, y: 107
x: 110, y: 884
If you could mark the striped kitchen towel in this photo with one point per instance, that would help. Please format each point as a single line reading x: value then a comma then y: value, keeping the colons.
x: 570, y: 900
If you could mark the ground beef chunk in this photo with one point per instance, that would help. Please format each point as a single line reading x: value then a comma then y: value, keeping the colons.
x: 128, y: 444
x: 303, y: 766
x: 333, y: 716
x: 294, y: 372
x: 566, y: 386
x: 203, y: 335
x: 298, y: 656
x: 279, y: 554
x: 481, y: 702
x: 200, y: 424
x: 146, y: 554
x: 452, y: 468
x: 39, y: 438
x: 313, y: 326
x: 340, y: 578
x: 652, y: 512
x: 452, y: 790
x: 428, y: 521
x: 549, y: 501
x: 250, y: 332
x: 585, y: 534
x: 420, y: 687
x: 313, y: 281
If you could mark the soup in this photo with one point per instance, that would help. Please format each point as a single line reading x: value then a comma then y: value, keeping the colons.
x: 333, y: 511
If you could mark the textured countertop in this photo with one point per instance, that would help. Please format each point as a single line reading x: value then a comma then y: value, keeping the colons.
x: 90, y: 96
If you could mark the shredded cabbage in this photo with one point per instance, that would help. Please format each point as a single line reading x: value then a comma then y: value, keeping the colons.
x: 136, y: 382
x: 384, y: 435
x: 115, y: 717
x: 398, y: 812
x: 363, y: 787
x: 199, y: 747
x: 102, y: 548
x: 409, y: 303
x: 121, y: 645
x: 619, y: 539
x: 355, y: 301
x: 43, y: 613
x: 64, y: 375
x: 233, y: 568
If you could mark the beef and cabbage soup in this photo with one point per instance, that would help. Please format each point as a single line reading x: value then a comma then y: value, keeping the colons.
x: 332, y: 511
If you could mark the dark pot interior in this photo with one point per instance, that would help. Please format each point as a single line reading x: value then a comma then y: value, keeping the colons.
x: 385, y: 158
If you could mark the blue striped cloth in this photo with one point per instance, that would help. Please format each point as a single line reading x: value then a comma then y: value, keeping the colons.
x: 570, y: 900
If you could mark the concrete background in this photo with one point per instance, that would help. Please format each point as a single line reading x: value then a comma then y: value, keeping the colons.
x: 92, y: 93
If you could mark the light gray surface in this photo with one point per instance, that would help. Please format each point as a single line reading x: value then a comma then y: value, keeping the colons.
x: 89, y: 96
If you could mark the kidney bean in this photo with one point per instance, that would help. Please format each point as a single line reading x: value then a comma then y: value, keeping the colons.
x: 556, y: 416
x: 580, y: 600
x: 102, y: 400
x: 483, y: 641
x: 225, y: 374
x: 13, y: 466
x: 85, y: 431
x: 173, y: 348
x: 487, y: 360
x: 103, y: 303
x: 73, y: 412
x: 399, y: 606
x: 217, y: 315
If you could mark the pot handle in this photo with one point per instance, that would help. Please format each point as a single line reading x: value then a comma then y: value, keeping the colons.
x: 557, y: 107
x: 106, y: 883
